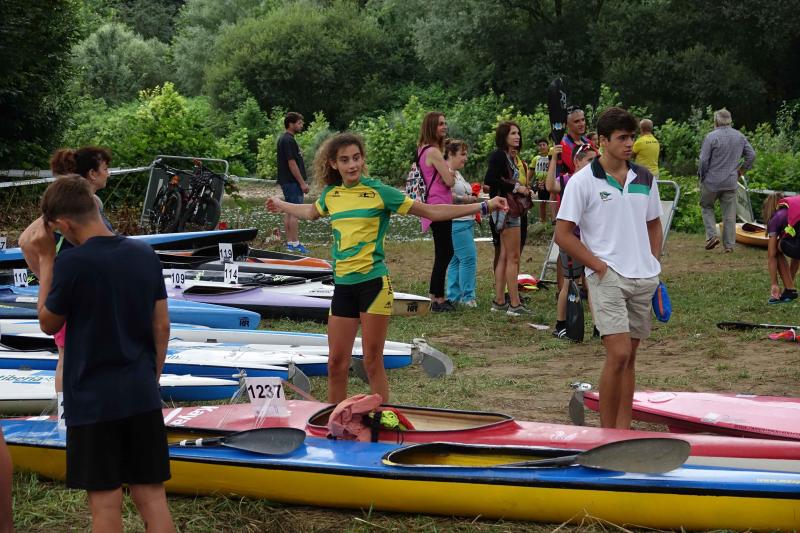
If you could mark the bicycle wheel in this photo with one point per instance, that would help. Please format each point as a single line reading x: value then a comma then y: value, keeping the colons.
x: 166, y: 213
x: 206, y: 217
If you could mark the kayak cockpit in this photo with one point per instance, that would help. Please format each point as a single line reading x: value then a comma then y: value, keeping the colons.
x: 466, y: 455
x: 425, y: 419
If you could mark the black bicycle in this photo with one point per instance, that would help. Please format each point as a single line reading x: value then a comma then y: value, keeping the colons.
x: 201, y: 209
x: 165, y: 215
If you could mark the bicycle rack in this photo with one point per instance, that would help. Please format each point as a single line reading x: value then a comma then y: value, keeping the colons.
x: 157, y: 178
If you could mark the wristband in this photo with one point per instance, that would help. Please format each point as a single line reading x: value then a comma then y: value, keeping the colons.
x: 484, y: 208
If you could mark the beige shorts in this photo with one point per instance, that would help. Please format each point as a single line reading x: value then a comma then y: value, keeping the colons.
x: 622, y: 305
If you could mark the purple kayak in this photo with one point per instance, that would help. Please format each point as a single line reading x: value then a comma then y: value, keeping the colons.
x: 269, y: 304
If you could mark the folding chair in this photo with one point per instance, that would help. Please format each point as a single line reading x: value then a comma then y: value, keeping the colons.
x: 668, y: 207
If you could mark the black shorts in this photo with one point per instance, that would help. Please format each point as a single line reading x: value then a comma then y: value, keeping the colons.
x: 106, y: 455
x: 374, y: 296
x: 790, y: 247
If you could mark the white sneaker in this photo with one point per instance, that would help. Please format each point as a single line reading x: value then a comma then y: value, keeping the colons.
x: 470, y: 303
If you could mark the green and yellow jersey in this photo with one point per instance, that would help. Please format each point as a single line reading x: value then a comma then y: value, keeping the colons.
x: 359, y: 219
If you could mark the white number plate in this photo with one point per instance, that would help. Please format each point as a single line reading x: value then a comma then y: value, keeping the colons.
x: 225, y: 252
x: 177, y: 278
x: 21, y: 277
x: 267, y: 396
x: 231, y: 273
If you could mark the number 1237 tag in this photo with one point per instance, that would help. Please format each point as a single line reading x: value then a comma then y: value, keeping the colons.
x: 267, y: 396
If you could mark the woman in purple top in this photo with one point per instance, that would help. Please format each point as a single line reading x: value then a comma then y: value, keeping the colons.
x: 438, y: 181
x: 776, y: 211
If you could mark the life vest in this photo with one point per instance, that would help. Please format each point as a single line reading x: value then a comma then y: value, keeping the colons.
x: 347, y: 419
x: 792, y: 203
x: 361, y: 417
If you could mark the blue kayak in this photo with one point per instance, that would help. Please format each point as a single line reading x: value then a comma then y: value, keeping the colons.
x: 12, y: 257
x: 200, y: 363
x: 454, y: 480
x: 20, y: 302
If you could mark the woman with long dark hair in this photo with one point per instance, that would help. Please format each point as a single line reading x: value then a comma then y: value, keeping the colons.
x: 502, y: 177
x: 360, y: 208
x: 439, y: 179
x: 91, y: 163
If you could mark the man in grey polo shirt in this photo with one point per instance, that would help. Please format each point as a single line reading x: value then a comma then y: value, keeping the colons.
x: 720, y: 166
x: 617, y: 206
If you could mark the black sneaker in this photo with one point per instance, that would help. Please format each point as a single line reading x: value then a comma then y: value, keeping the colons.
x: 560, y: 333
x: 444, y: 307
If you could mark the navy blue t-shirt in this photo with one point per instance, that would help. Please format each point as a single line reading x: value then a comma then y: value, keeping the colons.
x: 288, y: 150
x: 107, y: 288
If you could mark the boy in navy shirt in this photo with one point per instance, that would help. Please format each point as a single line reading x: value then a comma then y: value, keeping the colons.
x: 110, y: 291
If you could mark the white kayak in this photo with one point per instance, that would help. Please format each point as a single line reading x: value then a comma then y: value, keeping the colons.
x: 189, y: 332
x: 404, y: 304
x: 33, y: 391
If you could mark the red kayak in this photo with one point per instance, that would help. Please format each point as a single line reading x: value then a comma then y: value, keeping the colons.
x: 737, y: 415
x: 474, y: 427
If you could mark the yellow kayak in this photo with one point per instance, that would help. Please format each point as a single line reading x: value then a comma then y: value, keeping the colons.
x: 750, y: 234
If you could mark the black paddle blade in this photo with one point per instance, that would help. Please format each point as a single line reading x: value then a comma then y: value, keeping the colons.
x: 266, y: 441
x: 557, y: 109
x: 747, y: 325
x: 575, y: 329
x: 643, y: 456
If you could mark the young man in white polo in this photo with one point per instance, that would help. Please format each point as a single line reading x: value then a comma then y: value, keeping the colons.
x: 617, y: 206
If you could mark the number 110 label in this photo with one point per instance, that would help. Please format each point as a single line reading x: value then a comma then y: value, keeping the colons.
x: 21, y: 277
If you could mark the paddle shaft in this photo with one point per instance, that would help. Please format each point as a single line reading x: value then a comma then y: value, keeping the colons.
x: 748, y: 325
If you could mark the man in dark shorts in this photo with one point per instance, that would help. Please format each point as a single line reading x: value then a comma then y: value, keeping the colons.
x: 292, y: 177
x: 110, y: 292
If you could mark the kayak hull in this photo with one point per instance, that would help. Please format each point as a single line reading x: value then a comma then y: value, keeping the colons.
x: 475, y: 427
x: 185, y: 312
x: 355, y: 475
x: 749, y: 234
x: 12, y: 257
x: 266, y: 303
x: 33, y: 391
x: 737, y: 415
x: 181, y: 362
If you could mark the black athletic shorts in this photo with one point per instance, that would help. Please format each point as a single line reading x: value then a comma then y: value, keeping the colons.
x: 374, y: 296
x: 790, y: 247
x: 106, y: 455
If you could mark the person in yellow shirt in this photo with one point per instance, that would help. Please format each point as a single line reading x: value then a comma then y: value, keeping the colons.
x: 359, y: 208
x: 646, y: 148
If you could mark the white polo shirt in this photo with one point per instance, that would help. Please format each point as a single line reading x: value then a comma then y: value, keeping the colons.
x: 613, y: 218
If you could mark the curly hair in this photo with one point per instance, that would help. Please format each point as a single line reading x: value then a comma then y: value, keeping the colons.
x: 324, y: 173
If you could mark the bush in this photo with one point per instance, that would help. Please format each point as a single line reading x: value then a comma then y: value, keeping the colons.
x: 115, y: 63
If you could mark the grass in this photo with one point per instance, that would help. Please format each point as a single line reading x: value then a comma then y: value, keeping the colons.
x: 501, y: 365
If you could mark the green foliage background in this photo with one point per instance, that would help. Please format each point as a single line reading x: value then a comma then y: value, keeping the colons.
x: 214, y: 77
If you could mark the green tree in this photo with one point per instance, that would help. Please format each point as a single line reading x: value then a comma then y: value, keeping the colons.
x: 35, y: 76
x: 307, y: 57
x: 115, y: 63
x: 199, y: 23
x: 151, y: 19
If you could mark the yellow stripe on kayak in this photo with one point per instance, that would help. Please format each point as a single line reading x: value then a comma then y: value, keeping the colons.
x: 543, y: 504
